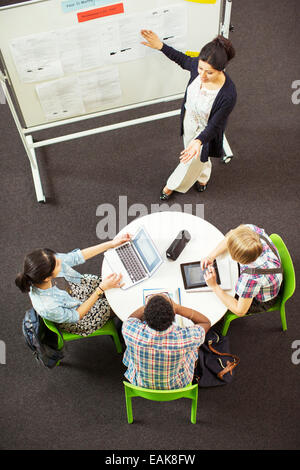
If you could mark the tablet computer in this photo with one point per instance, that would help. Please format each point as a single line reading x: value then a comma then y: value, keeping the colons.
x: 193, y: 275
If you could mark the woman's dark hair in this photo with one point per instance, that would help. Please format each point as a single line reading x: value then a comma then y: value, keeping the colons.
x: 159, y: 313
x: 217, y: 53
x: 38, y: 265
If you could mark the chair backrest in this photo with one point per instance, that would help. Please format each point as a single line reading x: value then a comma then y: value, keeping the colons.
x: 289, y: 279
x: 161, y: 395
x: 190, y: 391
x: 51, y: 325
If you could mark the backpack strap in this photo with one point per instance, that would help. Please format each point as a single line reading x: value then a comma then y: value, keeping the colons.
x: 278, y: 270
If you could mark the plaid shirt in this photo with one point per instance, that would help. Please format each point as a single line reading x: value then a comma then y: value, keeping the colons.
x: 263, y: 287
x: 160, y: 359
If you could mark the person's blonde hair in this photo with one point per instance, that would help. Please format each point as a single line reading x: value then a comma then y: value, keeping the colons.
x: 244, y: 244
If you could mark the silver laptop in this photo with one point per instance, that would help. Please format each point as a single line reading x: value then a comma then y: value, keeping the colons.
x: 193, y: 276
x: 136, y: 260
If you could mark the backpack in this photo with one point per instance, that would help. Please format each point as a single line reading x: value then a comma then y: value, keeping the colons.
x: 41, y: 340
x: 215, y: 365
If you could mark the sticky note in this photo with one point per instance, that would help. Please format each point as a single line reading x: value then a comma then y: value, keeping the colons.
x: 202, y: 1
x: 73, y: 5
x: 192, y: 53
x: 100, y: 12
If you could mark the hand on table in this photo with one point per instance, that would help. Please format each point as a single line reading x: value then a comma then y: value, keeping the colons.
x: 120, y: 239
x: 111, y: 281
x: 192, y: 151
x: 152, y: 40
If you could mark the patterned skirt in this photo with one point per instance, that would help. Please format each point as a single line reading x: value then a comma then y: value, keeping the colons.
x: 97, y: 315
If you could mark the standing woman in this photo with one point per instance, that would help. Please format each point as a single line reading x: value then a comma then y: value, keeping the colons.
x: 209, y: 99
x: 61, y: 294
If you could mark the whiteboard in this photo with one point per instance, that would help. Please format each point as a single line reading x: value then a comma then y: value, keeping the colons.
x: 140, y: 79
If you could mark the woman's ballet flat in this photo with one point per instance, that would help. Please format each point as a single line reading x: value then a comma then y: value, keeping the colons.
x: 163, y: 196
x: 200, y: 187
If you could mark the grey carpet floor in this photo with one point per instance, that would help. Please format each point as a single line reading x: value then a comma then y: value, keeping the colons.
x: 81, y: 405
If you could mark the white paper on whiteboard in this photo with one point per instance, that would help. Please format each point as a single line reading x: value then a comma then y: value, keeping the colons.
x: 99, y: 86
x: 80, y: 48
x: 109, y: 38
x: 61, y: 98
x: 169, y: 23
x: 153, y: 20
x: 36, y: 57
x: 174, y: 21
x: 130, y: 38
x: 121, y: 40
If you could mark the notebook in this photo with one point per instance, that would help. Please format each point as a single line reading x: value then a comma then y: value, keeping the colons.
x: 174, y: 294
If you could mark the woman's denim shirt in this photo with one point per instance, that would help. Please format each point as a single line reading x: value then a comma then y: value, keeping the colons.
x: 55, y: 304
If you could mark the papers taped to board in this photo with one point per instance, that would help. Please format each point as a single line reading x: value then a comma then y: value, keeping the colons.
x: 69, y: 66
x: 49, y: 55
x: 83, y: 93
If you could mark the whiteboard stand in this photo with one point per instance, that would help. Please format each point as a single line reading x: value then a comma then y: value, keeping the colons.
x: 30, y: 145
x: 26, y: 133
x: 227, y: 151
x: 27, y: 142
x: 35, y: 171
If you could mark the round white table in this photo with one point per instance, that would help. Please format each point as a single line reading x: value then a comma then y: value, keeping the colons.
x: 163, y: 227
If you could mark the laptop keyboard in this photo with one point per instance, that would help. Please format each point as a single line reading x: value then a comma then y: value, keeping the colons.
x: 131, y: 263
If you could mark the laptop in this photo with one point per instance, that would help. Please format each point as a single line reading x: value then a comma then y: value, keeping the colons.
x: 193, y: 276
x: 136, y: 260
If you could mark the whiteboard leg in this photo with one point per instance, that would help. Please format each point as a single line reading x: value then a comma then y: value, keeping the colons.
x: 225, y: 27
x: 227, y: 150
x: 27, y: 142
x: 35, y: 171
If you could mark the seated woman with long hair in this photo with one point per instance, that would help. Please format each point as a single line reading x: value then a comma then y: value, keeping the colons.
x: 59, y: 293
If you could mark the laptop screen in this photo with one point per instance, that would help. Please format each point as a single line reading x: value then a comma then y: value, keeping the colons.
x: 146, y: 250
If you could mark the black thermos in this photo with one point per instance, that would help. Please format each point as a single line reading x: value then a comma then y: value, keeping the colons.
x: 178, y: 245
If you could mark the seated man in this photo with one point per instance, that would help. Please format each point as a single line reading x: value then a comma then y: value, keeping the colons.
x: 260, y: 270
x: 161, y: 354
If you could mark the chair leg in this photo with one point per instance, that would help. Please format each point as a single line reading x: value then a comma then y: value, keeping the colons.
x: 128, y: 407
x: 117, y: 342
x: 60, y: 346
x: 283, y: 317
x: 194, y: 409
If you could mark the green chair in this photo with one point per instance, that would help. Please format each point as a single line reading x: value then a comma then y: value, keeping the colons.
x: 289, y: 284
x: 190, y: 391
x: 107, y: 329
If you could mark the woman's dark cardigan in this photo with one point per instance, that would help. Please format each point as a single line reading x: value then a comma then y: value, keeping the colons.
x: 212, y: 136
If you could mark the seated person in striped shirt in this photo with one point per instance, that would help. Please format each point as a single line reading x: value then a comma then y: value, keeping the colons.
x: 260, y: 270
x: 63, y: 295
x: 159, y: 353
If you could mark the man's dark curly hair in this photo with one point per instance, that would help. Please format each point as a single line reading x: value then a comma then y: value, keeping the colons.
x: 159, y: 313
